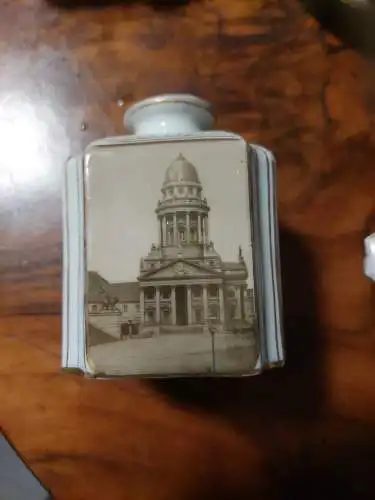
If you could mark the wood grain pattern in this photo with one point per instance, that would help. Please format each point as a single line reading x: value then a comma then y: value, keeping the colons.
x: 277, y: 78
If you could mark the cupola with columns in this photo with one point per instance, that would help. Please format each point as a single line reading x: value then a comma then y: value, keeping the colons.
x: 182, y: 212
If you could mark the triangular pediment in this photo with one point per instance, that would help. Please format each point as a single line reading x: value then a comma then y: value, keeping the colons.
x: 180, y: 269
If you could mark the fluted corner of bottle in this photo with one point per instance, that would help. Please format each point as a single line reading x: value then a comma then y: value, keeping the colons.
x: 369, y: 259
x: 169, y: 115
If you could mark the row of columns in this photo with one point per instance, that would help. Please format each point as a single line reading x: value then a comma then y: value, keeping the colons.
x: 189, y: 304
x: 202, y: 229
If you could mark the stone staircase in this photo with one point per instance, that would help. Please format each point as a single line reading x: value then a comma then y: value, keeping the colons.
x: 107, y: 323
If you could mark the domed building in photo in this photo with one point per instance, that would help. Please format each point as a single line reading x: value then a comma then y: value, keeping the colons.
x: 183, y: 284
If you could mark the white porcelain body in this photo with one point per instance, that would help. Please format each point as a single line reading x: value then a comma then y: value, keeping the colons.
x: 166, y: 119
x: 369, y: 261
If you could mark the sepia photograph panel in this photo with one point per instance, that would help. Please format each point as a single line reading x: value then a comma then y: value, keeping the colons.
x: 170, y: 285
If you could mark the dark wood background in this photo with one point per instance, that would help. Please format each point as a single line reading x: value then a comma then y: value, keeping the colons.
x: 276, y: 77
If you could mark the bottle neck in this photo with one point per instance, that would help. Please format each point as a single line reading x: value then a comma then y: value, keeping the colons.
x: 169, y: 115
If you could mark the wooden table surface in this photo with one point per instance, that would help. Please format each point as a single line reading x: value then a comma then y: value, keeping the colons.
x: 274, y: 76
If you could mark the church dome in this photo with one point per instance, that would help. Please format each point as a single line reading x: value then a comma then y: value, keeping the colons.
x: 181, y: 170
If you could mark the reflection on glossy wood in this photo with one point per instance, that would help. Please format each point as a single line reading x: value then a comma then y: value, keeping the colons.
x: 279, y: 80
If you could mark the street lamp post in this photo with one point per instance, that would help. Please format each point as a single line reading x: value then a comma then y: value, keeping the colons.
x: 211, y: 329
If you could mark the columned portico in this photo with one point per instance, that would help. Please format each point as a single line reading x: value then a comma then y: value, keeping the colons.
x: 175, y: 305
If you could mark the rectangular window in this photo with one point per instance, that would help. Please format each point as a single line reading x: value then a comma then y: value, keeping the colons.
x: 165, y: 317
x: 137, y: 307
x: 165, y: 292
x: 125, y: 308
